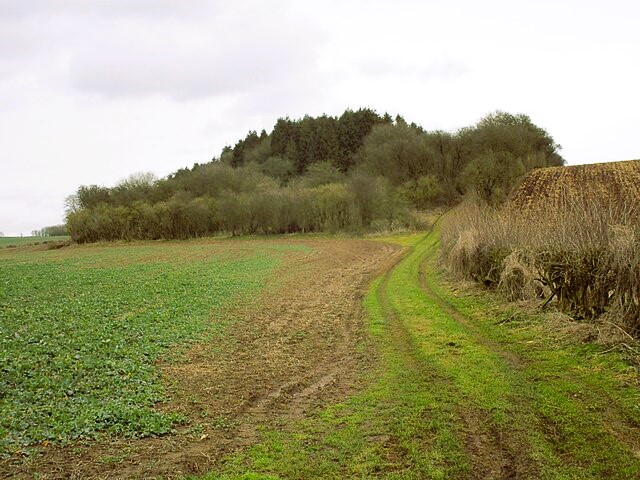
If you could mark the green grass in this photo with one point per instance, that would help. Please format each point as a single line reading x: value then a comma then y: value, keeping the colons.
x: 580, y: 406
x: 20, y: 241
x: 453, y: 373
x: 82, y: 329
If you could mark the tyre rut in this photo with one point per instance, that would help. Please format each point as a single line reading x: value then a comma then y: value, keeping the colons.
x: 490, y: 450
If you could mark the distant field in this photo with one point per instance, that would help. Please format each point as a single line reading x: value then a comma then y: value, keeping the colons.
x: 19, y: 241
x: 81, y: 330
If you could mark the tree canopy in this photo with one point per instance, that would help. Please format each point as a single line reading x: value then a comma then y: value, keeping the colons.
x: 358, y: 171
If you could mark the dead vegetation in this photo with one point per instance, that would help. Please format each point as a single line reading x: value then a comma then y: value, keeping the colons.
x: 569, y: 236
x: 546, y: 189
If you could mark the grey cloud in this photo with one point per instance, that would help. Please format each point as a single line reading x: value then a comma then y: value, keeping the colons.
x: 16, y: 41
x: 211, y: 69
x: 119, y: 48
x: 237, y: 52
x: 298, y: 94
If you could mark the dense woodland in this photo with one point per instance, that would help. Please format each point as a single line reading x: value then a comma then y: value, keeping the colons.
x: 357, y: 172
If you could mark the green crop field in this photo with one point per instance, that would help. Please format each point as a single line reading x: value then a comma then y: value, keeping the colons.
x: 82, y: 329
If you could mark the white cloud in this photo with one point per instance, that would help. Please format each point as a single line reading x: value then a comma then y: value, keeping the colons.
x: 20, y: 9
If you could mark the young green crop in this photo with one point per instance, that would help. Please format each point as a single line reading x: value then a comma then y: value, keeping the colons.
x: 82, y: 328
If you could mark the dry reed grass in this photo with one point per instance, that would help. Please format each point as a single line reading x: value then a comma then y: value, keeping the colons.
x: 584, y: 252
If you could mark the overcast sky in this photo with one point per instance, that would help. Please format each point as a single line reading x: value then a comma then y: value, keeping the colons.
x: 94, y: 90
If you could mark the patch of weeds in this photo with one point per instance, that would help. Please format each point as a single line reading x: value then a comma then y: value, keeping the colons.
x: 196, y: 429
x: 115, y: 458
x: 223, y: 423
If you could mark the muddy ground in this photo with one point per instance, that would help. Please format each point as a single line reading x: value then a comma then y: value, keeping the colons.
x: 302, y: 344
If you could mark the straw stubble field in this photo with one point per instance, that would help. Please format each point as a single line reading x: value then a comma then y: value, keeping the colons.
x: 569, y: 236
x: 601, y: 184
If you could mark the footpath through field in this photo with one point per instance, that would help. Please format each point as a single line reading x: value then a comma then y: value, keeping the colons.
x: 465, y: 388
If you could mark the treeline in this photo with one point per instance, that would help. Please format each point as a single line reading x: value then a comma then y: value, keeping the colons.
x: 359, y: 171
x: 308, y: 141
x: 50, y: 231
x: 245, y: 201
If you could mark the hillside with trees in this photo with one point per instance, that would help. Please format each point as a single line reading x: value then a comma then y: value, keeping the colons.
x: 360, y: 171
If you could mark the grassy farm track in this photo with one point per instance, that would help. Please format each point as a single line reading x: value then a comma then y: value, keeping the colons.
x: 464, y: 388
x: 557, y: 409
